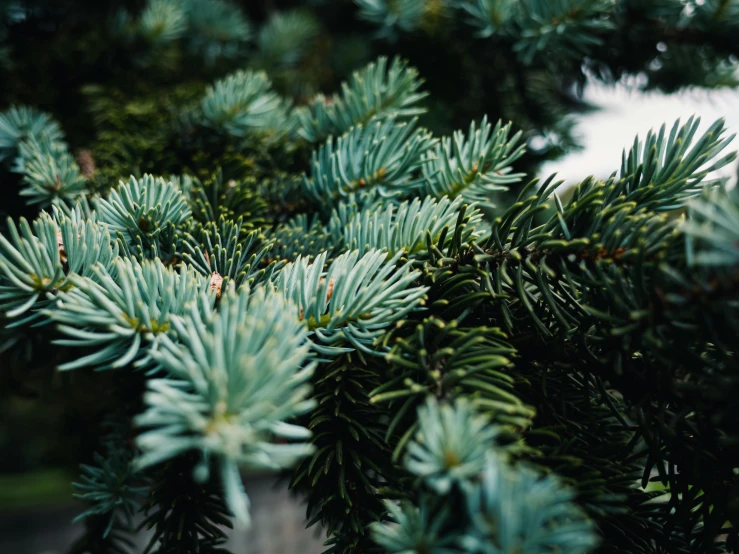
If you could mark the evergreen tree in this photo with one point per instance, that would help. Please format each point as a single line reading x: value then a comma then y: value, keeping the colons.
x: 366, y: 290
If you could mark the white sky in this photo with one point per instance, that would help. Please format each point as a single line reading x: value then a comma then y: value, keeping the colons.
x: 624, y: 113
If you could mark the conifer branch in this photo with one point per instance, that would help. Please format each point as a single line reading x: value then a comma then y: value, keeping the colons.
x: 474, y: 167
x: 244, y: 103
x: 125, y: 311
x: 233, y: 379
x: 379, y: 90
x: 350, y: 304
x: 21, y: 123
x: 383, y: 155
x: 403, y: 227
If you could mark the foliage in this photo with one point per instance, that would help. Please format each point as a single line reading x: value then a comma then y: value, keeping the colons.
x: 500, y: 510
x: 50, y: 173
x: 353, y: 300
x: 402, y: 227
x: 405, y: 16
x: 109, y: 486
x: 241, y: 103
x: 352, y: 287
x: 383, y: 155
x: 450, y: 445
x: 378, y: 90
x: 185, y: 515
x: 144, y: 214
x: 712, y: 234
x: 284, y: 36
x: 209, y: 28
x: 43, y: 260
x: 224, y: 249
x: 218, y: 28
x: 125, y: 311
x: 162, y: 21
x: 474, y: 168
x: 543, y: 506
x: 210, y: 401
x: 22, y: 123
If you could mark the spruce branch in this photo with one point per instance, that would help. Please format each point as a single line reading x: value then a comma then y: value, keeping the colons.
x: 608, y: 269
x: 216, y: 28
x: 447, y: 361
x: 20, y: 123
x: 713, y: 236
x: 378, y: 90
x: 82, y: 241
x: 217, y: 197
x: 552, y: 269
x: 244, y: 104
x: 425, y: 528
x: 348, y: 474
x: 184, y: 515
x: 350, y: 304
x: 474, y: 167
x: 403, y: 227
x: 392, y: 16
x: 491, y: 17
x: 144, y: 213
x: 225, y: 250
x: 110, y: 486
x: 570, y: 28
x: 301, y: 237
x: 450, y: 445
x: 383, y: 155
x: 40, y: 260
x: 162, y: 21
x: 284, y: 39
x: 50, y: 173
x: 112, y: 491
x: 611, y: 275
x: 31, y: 267
x: 507, y: 509
x: 664, y: 170
x: 234, y: 377
x: 125, y: 311
x: 513, y: 509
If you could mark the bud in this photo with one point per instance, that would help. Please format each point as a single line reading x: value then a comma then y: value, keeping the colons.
x: 216, y: 282
x: 60, y: 246
x: 330, y: 291
x: 86, y: 163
